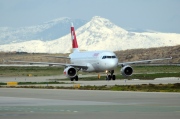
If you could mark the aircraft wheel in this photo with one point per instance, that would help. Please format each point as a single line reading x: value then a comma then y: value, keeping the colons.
x: 76, y: 78
x: 72, y: 79
x: 114, y: 77
x: 109, y: 77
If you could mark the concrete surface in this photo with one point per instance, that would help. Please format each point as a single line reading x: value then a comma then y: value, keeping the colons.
x: 77, y: 104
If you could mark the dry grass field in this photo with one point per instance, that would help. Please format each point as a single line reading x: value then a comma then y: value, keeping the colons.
x: 151, y: 53
x: 36, y: 57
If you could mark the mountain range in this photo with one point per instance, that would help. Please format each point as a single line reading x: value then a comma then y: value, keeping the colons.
x: 97, y: 34
x: 45, y: 32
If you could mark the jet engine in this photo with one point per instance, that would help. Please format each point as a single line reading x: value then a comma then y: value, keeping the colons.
x: 70, y: 72
x: 126, y: 70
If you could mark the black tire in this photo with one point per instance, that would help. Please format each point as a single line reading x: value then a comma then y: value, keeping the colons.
x: 109, y: 77
x: 76, y: 78
x: 114, y: 77
x: 72, y: 79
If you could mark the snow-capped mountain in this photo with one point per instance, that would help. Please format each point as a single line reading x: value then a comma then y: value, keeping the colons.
x: 98, y: 34
x: 47, y: 31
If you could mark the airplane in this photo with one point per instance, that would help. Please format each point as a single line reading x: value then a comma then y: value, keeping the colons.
x: 92, y: 61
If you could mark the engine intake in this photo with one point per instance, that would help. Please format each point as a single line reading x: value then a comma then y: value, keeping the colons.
x: 70, y: 72
x: 126, y: 70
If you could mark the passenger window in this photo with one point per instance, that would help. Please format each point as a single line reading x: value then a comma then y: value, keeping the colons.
x: 108, y: 56
x: 113, y: 56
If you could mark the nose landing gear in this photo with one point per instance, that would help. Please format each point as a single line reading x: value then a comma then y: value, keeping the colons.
x: 110, y: 76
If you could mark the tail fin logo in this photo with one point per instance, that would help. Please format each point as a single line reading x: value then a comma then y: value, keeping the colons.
x: 73, y: 36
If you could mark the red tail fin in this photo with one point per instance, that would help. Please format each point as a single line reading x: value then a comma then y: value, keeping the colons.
x: 74, y: 41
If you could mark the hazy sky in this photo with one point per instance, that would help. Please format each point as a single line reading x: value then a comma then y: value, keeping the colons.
x: 157, y: 15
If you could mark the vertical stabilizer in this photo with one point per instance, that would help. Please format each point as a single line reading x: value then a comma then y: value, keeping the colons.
x: 74, y: 41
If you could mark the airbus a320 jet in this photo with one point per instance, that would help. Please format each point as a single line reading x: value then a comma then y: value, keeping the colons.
x: 92, y: 61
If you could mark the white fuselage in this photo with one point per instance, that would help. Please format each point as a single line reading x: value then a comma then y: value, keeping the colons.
x: 96, y: 61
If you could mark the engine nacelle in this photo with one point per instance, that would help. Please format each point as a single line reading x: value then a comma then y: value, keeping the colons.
x: 126, y: 70
x: 70, y: 72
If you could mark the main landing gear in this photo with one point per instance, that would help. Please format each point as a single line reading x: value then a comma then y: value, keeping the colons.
x: 74, y: 78
x: 110, y: 76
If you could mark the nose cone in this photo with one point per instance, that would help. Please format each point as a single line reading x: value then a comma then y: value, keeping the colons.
x: 111, y: 64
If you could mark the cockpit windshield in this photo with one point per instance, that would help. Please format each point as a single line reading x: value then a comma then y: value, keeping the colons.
x: 109, y: 57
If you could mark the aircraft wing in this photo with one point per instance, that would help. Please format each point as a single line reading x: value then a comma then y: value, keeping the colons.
x: 50, y: 63
x: 142, y: 61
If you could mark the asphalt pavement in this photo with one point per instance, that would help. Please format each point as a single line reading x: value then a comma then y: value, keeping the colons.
x: 78, y: 104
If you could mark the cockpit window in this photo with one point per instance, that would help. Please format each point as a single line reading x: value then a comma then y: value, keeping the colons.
x: 109, y: 57
x: 104, y: 57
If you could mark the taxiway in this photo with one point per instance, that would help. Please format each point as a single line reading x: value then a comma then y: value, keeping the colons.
x: 166, y: 80
x: 78, y: 104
